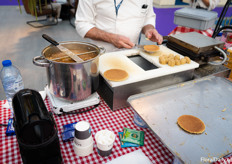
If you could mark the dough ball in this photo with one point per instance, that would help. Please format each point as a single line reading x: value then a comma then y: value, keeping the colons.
x: 171, y: 62
x: 177, y: 62
x: 162, y: 60
x: 164, y: 55
x: 183, y: 61
x: 187, y: 60
x: 171, y: 56
x: 177, y: 57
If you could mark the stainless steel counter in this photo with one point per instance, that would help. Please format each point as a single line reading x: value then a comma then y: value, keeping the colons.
x: 209, y: 99
x: 206, y: 70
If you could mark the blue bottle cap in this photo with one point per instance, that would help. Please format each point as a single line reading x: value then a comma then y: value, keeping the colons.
x: 6, y: 63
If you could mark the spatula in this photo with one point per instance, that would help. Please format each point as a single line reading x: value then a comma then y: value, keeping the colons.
x: 63, y: 49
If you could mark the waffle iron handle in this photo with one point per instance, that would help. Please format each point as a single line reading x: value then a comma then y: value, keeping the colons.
x: 224, y: 55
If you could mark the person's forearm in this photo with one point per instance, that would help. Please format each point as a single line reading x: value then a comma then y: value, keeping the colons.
x: 97, y: 34
x: 147, y: 27
x: 117, y: 40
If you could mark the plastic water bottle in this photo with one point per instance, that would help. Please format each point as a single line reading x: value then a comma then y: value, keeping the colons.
x: 11, y: 80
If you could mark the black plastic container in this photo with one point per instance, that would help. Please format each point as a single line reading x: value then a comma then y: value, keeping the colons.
x: 35, y: 129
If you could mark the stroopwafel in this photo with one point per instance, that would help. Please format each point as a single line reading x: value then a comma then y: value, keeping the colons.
x: 116, y: 75
x: 191, y: 124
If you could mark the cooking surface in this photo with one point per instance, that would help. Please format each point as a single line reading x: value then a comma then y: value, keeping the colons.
x: 196, y: 39
x: 161, y: 108
x: 120, y: 60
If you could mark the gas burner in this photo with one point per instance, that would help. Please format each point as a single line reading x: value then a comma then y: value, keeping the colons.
x: 59, y: 106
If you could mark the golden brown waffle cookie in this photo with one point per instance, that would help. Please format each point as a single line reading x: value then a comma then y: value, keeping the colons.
x: 116, y: 75
x: 191, y: 124
x: 151, y: 48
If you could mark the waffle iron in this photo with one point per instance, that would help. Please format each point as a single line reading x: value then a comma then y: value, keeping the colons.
x: 198, y: 47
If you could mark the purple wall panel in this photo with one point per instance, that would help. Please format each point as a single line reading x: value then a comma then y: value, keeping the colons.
x: 165, y: 18
x: 219, y: 10
x: 9, y: 2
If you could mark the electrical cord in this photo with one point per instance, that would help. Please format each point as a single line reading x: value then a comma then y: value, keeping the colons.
x: 78, y: 112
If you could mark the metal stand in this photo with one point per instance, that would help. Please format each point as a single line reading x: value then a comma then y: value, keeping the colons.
x: 43, y: 22
x: 46, y: 22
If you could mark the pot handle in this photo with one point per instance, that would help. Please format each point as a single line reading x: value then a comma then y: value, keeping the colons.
x: 41, y: 61
x: 224, y: 59
x: 102, y: 49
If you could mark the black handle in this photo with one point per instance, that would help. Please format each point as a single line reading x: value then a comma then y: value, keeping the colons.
x: 49, y: 39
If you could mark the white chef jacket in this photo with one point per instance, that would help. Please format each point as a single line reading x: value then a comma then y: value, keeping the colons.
x: 101, y: 14
x: 212, y: 4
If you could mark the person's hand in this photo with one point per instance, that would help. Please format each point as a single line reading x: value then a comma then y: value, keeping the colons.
x: 120, y: 41
x: 154, y: 36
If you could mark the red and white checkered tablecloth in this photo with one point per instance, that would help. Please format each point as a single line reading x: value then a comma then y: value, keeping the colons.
x: 182, y: 29
x: 99, y: 118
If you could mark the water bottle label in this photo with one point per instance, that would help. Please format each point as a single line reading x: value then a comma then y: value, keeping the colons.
x: 11, y: 85
x: 18, y: 85
x: 8, y: 83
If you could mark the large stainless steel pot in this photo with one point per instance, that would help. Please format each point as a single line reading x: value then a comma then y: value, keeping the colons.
x: 71, y: 81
